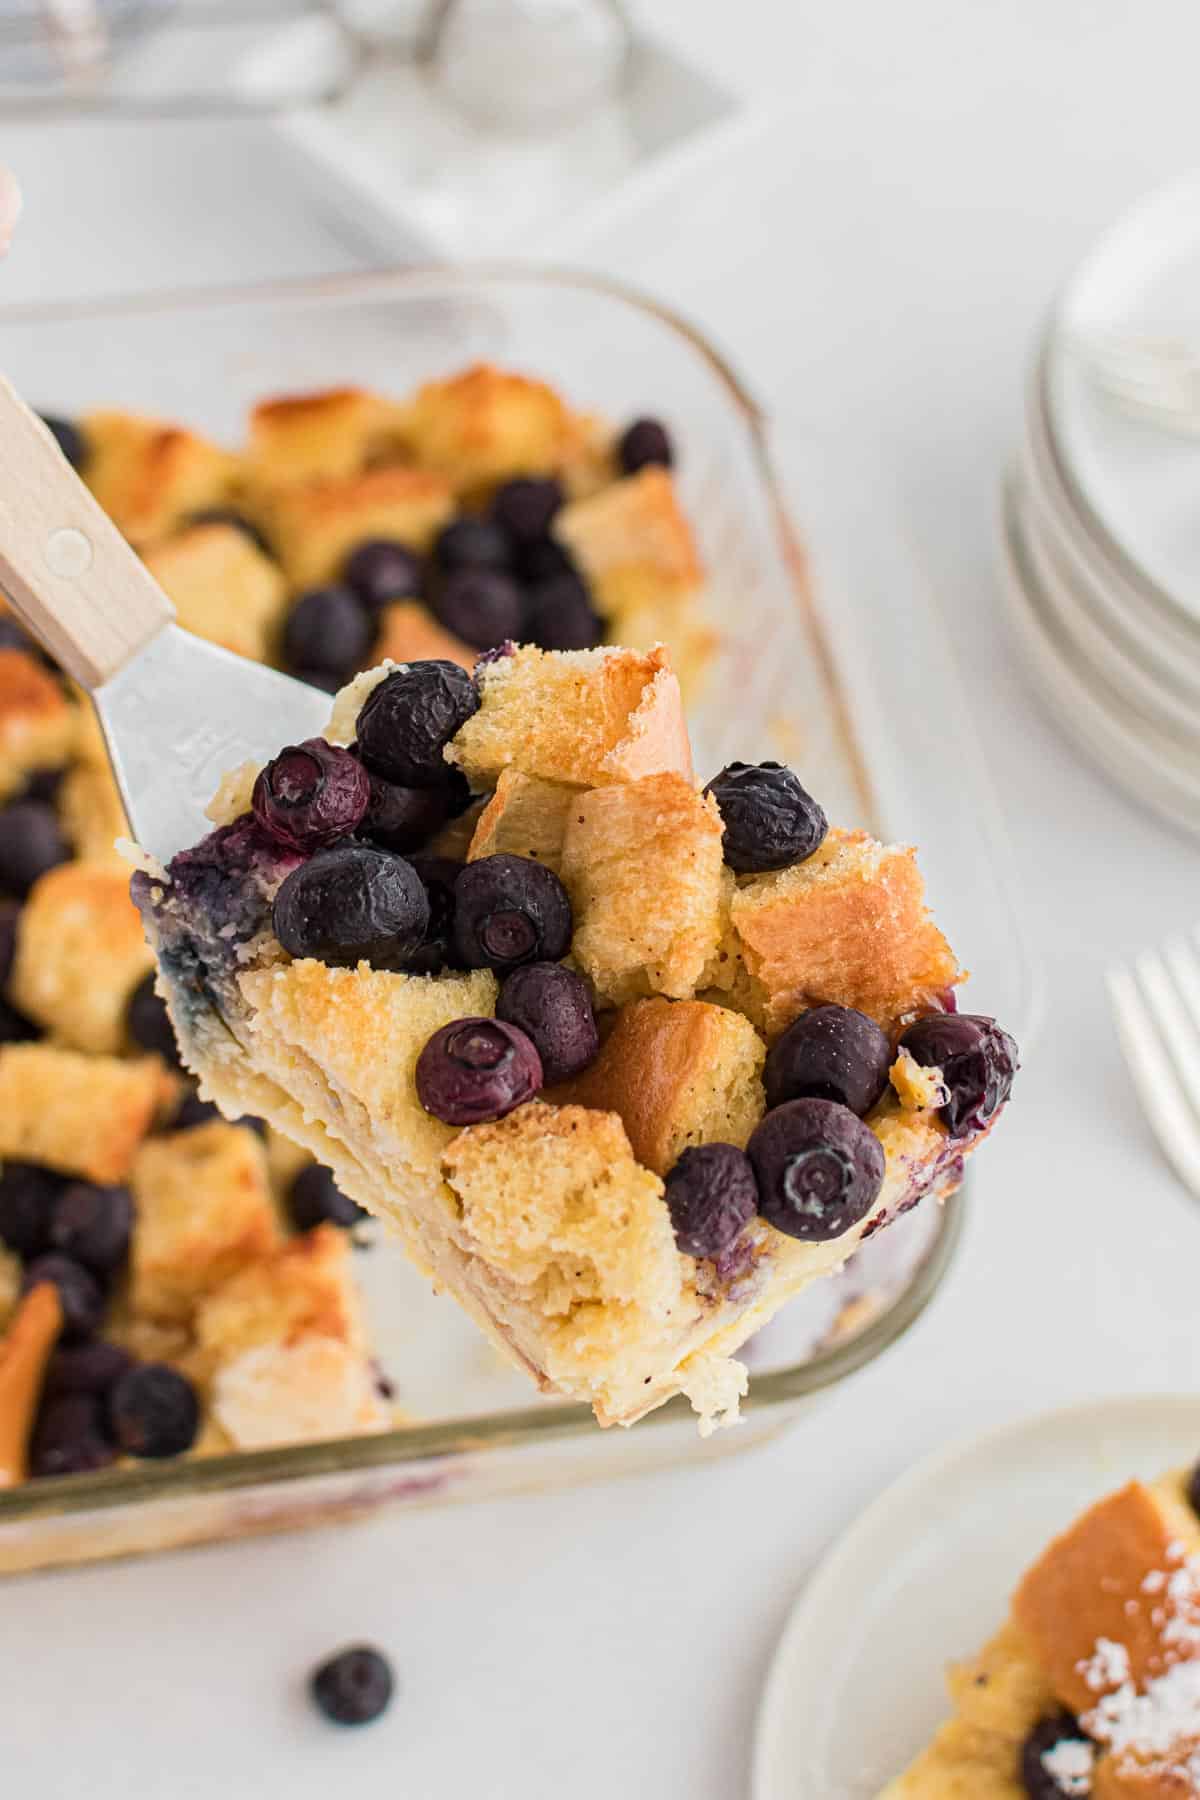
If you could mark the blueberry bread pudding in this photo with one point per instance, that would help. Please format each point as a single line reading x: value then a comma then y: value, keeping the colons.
x: 350, y: 529
x: 1092, y: 1687
x: 627, y: 1062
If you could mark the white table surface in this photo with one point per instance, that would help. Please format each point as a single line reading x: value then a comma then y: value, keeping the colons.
x: 877, y: 265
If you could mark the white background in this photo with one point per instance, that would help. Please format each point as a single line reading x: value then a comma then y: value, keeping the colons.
x: 876, y: 265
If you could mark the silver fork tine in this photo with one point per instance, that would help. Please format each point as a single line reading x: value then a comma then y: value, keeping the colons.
x: 1174, y: 1122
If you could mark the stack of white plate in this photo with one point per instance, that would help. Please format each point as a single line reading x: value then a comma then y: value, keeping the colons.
x: 1101, y: 514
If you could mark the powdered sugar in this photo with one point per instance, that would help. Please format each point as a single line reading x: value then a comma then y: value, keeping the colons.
x: 1158, y: 1725
x: 1107, y: 1667
x: 1069, y: 1765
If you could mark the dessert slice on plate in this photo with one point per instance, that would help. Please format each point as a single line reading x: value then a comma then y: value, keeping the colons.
x: 1092, y: 1687
x: 626, y: 1062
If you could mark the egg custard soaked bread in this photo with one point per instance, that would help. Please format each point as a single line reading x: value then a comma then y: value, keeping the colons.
x: 627, y: 1062
x: 1092, y: 1687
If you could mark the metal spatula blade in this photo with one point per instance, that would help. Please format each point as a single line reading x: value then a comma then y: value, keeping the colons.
x: 177, y: 712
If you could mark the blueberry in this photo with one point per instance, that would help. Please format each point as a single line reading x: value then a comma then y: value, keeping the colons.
x: 381, y: 570
x: 770, y: 821
x: 90, y: 1368
x: 192, y: 1111
x: 1050, y: 1731
x: 43, y: 785
x: 225, y: 881
x: 92, y: 1225
x: 315, y: 1197
x: 560, y: 615
x: 480, y: 606
x: 553, y: 1007
x: 510, y: 910
x: 13, y: 636
x: 469, y: 543
x: 328, y: 630
x: 643, y: 442
x: 27, y: 1195
x: 409, y: 718
x: 977, y: 1062
x: 149, y: 1023
x: 404, y: 818
x: 30, y: 843
x: 352, y: 902
x: 79, y: 1293
x: 69, y: 1437
x: 525, y: 507
x: 543, y: 560
x: 154, y: 1411
x: 476, y: 1069
x: 354, y: 1686
x: 818, y: 1167
x: 68, y: 437
x: 311, y: 795
x: 438, y: 874
x: 829, y: 1053
x: 15, y: 1028
x: 229, y: 515
x: 712, y: 1195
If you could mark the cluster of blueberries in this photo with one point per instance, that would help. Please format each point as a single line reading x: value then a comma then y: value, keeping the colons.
x: 812, y: 1168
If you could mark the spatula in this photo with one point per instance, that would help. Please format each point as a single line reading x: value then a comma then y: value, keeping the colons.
x: 177, y: 712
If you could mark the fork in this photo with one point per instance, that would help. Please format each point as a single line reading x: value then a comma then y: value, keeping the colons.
x: 1156, y: 1004
x: 1155, y: 378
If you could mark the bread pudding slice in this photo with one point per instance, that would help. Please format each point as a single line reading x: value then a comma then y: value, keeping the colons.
x: 618, y: 1152
x: 1092, y: 1686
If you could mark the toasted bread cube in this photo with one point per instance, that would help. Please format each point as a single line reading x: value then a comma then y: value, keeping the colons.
x: 204, y: 1210
x: 961, y: 1763
x: 1003, y: 1688
x: 485, y: 425
x: 642, y: 864
x: 327, y: 435
x: 849, y: 927
x: 678, y: 1073
x: 581, y: 716
x: 307, y: 1392
x: 408, y: 632
x: 38, y: 724
x: 633, y: 543
x: 80, y: 953
x: 301, y: 1287
x: 149, y: 476
x: 82, y: 1115
x: 92, y: 815
x: 525, y: 817
x: 314, y: 527
x: 223, y: 587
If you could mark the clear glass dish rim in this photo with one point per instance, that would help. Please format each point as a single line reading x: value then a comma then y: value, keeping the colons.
x: 421, y: 1443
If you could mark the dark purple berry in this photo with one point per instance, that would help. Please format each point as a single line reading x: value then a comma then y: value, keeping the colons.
x: 91, y: 1368
x: 525, y: 507
x: 92, y: 1225
x: 68, y: 437
x: 315, y: 1198
x: 770, y: 821
x: 311, y: 795
x: 819, y: 1169
x: 643, y: 442
x: 229, y: 515
x: 510, y: 910
x: 553, y: 1007
x: 69, y: 1437
x: 409, y: 718
x: 30, y: 843
x: 10, y: 914
x: 154, y: 1411
x: 328, y: 629
x: 79, y: 1293
x: 1050, y: 1731
x: 712, y: 1195
x: 469, y: 543
x: 439, y: 875
x: 354, y: 1686
x: 13, y: 636
x: 193, y: 1111
x: 560, y: 615
x: 543, y: 560
x: 224, y: 882
x: 497, y: 653
x: 476, y: 1069
x: 829, y: 1053
x: 404, y: 818
x: 15, y: 1028
x: 149, y: 1023
x: 382, y: 570
x: 977, y: 1061
x: 42, y: 785
x: 27, y: 1195
x: 352, y: 903
x: 481, y: 606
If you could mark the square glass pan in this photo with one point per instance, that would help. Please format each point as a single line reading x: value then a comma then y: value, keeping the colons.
x: 865, y: 744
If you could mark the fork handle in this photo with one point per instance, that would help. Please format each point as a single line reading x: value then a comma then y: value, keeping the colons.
x: 68, y: 572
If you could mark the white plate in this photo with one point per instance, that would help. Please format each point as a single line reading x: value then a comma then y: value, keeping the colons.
x: 925, y: 1575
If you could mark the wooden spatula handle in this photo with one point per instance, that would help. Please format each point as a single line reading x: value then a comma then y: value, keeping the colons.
x: 64, y: 565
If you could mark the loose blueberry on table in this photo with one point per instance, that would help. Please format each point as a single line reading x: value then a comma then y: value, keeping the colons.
x: 353, y: 1687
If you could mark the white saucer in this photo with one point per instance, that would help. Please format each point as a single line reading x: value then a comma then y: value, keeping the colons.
x: 925, y: 1575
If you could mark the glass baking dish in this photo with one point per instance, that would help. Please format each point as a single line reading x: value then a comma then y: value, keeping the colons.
x: 829, y: 658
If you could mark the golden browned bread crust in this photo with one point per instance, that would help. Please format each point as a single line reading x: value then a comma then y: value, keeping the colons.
x: 83, y: 1115
x: 38, y: 724
x: 80, y: 953
x: 223, y: 588
x: 633, y: 542
x: 301, y: 1287
x: 486, y: 424
x: 149, y: 476
x: 314, y: 526
x: 408, y: 632
x: 329, y: 434
x: 91, y: 813
x: 524, y: 817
